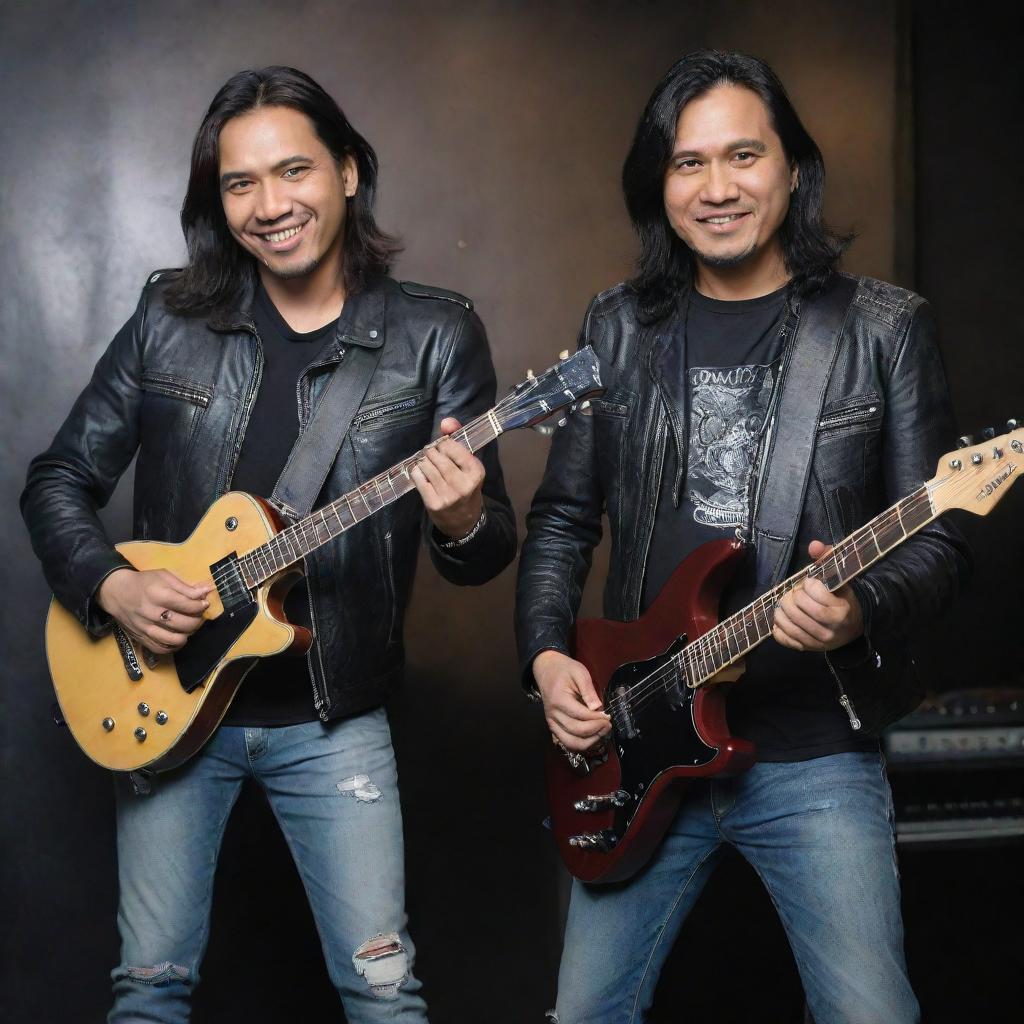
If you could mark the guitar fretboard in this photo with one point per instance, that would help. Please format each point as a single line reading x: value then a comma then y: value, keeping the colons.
x: 302, y: 538
x: 732, y: 638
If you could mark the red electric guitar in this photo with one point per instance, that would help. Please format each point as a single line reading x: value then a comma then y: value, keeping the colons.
x: 657, y: 676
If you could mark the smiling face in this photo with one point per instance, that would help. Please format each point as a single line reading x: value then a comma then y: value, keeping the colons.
x: 283, y: 192
x: 727, y: 187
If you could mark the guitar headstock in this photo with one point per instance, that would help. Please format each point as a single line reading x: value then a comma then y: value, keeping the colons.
x: 565, y: 385
x: 976, y: 476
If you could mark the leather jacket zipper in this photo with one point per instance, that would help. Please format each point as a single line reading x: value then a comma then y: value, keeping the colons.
x: 845, y: 419
x: 844, y: 700
x: 374, y: 414
x: 319, y: 703
x: 388, y: 565
x: 247, y: 405
x: 647, y: 532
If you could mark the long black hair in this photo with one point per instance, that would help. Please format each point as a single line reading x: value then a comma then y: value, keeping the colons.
x: 219, y: 270
x: 665, y: 265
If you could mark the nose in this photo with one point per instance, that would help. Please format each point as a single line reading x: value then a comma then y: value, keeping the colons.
x: 719, y: 186
x: 273, y: 202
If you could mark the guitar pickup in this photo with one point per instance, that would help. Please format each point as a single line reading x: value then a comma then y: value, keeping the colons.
x: 622, y: 715
x: 606, y: 800
x: 602, y: 841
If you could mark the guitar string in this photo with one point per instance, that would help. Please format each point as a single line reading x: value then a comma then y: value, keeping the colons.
x: 474, y: 432
x: 703, y: 647
x: 478, y: 430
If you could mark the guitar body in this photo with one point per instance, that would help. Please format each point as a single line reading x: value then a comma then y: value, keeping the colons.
x: 654, y: 749
x: 179, y: 700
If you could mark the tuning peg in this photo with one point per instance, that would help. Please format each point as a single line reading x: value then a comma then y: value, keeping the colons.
x: 1012, y: 424
x: 564, y: 354
x: 965, y: 442
x: 562, y: 422
x: 988, y: 433
x: 530, y: 375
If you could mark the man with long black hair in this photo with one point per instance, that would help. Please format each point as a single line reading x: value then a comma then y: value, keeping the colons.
x: 214, y: 381
x: 732, y: 409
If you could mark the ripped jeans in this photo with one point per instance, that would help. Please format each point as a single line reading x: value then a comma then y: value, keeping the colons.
x: 334, y: 792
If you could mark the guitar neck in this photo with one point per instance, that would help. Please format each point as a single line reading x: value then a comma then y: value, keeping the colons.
x: 293, y: 543
x: 732, y: 638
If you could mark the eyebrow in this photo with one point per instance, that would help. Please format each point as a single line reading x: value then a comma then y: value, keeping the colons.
x: 229, y: 176
x: 755, y: 144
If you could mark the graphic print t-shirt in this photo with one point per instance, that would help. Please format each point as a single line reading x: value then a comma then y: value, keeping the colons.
x: 733, y: 351
x: 786, y: 701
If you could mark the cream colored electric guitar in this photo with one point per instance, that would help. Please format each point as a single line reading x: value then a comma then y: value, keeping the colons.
x: 129, y: 710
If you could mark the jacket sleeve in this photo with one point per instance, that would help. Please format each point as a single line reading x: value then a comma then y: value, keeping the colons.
x: 69, y: 482
x: 466, y: 389
x: 920, y: 578
x: 562, y: 529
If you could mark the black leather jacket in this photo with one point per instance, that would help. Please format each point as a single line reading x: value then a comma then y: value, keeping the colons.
x: 885, y: 421
x: 179, y: 390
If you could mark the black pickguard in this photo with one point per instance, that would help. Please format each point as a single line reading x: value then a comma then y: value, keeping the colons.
x: 199, y: 657
x: 663, y: 736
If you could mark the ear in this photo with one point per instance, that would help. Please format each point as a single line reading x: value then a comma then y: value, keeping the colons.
x: 350, y: 175
x: 794, y: 178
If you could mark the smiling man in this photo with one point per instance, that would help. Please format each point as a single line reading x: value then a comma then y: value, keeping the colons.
x: 752, y: 391
x: 285, y: 304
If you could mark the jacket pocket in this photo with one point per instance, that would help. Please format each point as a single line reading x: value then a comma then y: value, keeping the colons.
x: 604, y: 407
x: 861, y: 412
x: 387, y: 411
x: 175, y: 386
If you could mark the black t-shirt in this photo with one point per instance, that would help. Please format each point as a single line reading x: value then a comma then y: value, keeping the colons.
x: 786, y: 702
x: 278, y: 690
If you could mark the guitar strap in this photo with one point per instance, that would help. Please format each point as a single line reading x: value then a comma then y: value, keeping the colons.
x: 787, y: 462
x: 313, y: 454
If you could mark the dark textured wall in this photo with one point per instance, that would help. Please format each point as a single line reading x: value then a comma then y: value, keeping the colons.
x: 501, y: 128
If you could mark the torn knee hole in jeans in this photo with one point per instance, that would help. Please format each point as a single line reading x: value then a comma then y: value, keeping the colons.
x: 384, y: 964
x: 158, y: 974
x: 361, y: 788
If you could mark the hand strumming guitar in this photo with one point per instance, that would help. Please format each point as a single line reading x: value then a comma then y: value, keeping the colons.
x: 571, y: 705
x: 155, y: 606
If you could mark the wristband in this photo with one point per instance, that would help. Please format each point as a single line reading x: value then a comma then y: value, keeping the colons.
x: 449, y: 545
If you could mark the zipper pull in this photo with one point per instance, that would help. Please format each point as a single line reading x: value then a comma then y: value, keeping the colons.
x: 850, y: 713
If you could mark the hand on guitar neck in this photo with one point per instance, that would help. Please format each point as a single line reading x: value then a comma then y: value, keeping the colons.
x: 574, y: 712
x: 155, y: 606
x: 450, y: 480
x: 813, y: 618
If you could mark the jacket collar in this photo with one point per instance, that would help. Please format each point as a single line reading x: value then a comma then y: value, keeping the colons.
x: 362, y: 320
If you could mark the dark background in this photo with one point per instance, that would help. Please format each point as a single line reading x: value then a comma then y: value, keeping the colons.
x: 501, y: 129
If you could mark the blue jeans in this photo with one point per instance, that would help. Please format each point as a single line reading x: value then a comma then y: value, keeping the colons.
x: 819, y: 834
x: 334, y: 792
